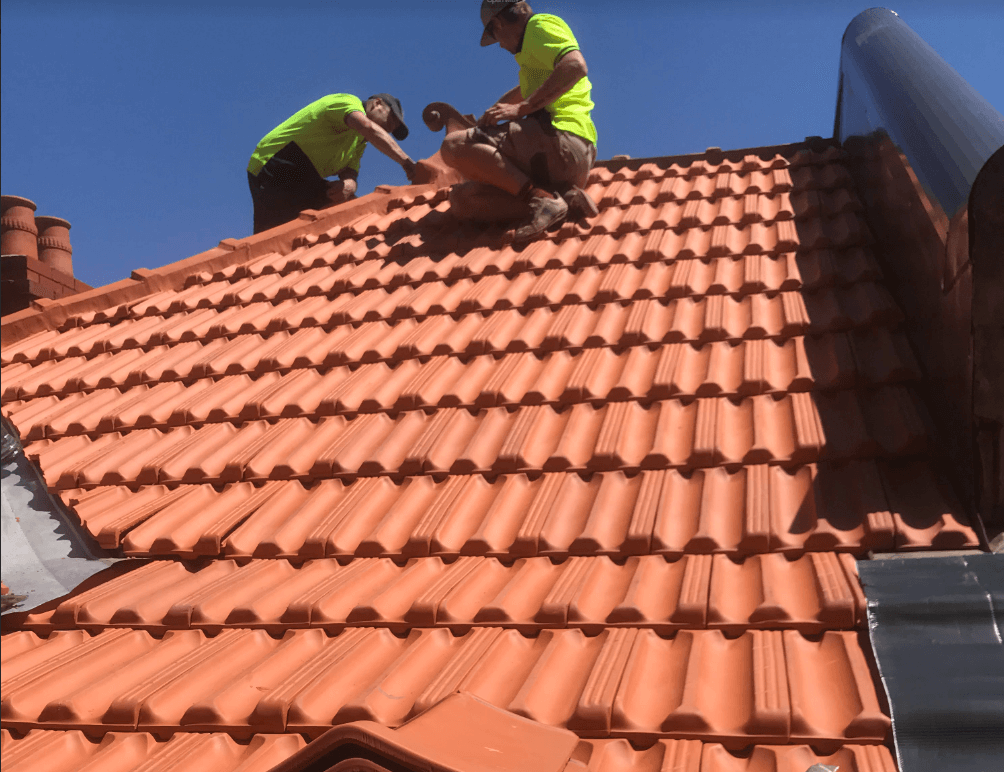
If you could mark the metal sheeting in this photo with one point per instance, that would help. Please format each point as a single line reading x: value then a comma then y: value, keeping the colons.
x: 45, y: 554
x: 937, y: 625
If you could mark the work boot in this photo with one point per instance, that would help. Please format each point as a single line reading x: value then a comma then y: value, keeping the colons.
x: 545, y: 211
x: 580, y: 204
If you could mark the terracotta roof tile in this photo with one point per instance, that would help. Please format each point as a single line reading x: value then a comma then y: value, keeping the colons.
x: 208, y: 683
x: 752, y: 510
x: 812, y: 593
x: 62, y: 751
x: 794, y: 428
x: 855, y: 758
x: 740, y: 276
x: 611, y: 481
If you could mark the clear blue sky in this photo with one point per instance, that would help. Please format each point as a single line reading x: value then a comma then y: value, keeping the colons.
x: 135, y: 121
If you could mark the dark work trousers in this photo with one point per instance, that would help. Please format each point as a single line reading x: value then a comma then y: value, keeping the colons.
x: 286, y: 185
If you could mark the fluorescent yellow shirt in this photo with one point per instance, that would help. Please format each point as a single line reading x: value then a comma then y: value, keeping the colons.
x: 319, y: 130
x: 547, y: 39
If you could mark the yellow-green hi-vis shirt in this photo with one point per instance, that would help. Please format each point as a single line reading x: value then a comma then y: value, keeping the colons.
x: 320, y: 131
x: 547, y: 39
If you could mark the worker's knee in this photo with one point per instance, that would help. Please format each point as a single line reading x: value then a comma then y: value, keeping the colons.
x: 454, y: 146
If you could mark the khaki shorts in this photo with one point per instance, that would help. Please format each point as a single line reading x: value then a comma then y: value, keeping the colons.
x: 548, y: 156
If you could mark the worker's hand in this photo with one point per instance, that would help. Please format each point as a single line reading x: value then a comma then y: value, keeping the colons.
x: 498, y: 113
x: 409, y: 167
x: 341, y: 190
x: 485, y: 120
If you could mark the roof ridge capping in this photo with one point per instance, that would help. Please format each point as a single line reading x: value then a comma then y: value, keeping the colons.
x: 433, y: 175
x: 811, y: 150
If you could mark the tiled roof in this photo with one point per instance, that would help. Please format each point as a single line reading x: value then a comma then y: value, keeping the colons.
x: 74, y: 750
x: 816, y: 592
x: 612, y: 482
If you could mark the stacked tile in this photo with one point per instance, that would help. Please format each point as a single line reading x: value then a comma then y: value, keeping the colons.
x: 612, y: 482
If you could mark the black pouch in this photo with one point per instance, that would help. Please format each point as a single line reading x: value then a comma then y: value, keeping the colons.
x: 291, y: 169
x: 543, y: 117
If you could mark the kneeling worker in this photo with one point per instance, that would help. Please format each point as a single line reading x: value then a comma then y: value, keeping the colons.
x: 531, y: 152
x: 326, y: 138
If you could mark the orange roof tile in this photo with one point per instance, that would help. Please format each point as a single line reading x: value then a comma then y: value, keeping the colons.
x: 812, y: 593
x: 611, y: 482
x: 620, y: 682
x: 63, y: 751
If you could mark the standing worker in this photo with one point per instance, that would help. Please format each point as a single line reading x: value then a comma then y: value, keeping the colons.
x: 531, y: 152
x: 326, y: 138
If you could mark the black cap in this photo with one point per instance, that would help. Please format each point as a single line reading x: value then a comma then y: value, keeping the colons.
x: 401, y: 132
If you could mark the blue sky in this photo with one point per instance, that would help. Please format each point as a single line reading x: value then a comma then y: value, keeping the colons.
x: 136, y: 121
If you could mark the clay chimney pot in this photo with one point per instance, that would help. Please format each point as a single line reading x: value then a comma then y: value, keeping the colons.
x: 54, y: 244
x: 18, y: 233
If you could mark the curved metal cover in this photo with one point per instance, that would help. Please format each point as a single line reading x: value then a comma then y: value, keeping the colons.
x: 892, y: 81
x: 936, y: 628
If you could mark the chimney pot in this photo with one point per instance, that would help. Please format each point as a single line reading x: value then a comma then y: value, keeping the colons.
x: 18, y: 233
x: 54, y: 243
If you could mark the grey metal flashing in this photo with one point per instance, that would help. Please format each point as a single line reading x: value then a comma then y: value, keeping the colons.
x: 45, y: 552
x: 937, y: 629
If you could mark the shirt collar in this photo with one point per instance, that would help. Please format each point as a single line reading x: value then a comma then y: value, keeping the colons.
x: 522, y: 36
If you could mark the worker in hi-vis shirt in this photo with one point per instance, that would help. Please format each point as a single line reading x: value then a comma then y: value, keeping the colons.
x: 530, y: 154
x: 326, y: 138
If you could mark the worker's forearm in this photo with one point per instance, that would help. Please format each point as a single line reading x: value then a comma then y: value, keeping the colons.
x: 569, y: 70
x: 385, y: 143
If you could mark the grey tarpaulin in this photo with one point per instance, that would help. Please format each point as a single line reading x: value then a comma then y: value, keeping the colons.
x: 936, y: 629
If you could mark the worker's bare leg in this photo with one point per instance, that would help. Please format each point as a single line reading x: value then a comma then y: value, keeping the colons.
x: 486, y: 203
x: 482, y: 162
